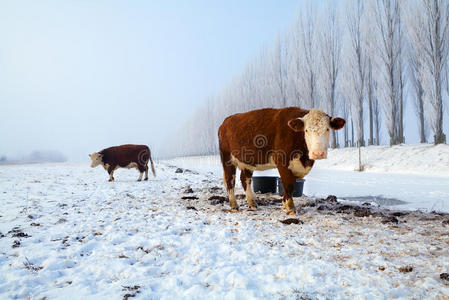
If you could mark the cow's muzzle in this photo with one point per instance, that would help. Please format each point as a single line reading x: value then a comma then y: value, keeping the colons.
x: 318, y: 154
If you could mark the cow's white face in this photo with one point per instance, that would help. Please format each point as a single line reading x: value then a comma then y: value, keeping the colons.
x: 316, y: 126
x: 96, y: 159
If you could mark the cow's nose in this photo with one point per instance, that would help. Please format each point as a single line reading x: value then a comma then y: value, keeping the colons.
x: 318, y: 154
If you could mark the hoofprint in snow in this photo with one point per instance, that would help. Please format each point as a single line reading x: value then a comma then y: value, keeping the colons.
x: 68, y: 233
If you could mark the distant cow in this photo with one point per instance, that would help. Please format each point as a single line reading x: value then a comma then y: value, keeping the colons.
x: 125, y: 156
x: 289, y: 139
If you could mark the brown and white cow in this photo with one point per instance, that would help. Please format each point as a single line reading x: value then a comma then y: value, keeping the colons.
x: 124, y: 156
x: 289, y: 139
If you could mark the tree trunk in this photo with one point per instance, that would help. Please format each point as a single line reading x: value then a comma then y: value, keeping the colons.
x: 360, y: 133
x: 352, y: 133
x: 346, y: 136
x: 439, y: 137
x: 334, y: 134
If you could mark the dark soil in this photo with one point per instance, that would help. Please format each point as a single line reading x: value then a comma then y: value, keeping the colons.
x: 444, y: 276
x: 20, y: 234
x: 215, y: 189
x: 406, y: 269
x: 399, y: 213
x: 133, y: 291
x: 188, y: 191
x: 189, y: 198
x: 291, y: 221
x: 331, y: 198
x: 389, y: 219
x: 268, y: 201
x: 215, y: 200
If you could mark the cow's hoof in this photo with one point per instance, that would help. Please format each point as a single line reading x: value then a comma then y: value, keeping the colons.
x: 139, y: 179
x: 146, y: 179
x: 235, y: 209
x: 253, y: 207
x: 291, y: 213
x: 111, y: 180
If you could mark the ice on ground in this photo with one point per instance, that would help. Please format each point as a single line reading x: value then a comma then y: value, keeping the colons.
x: 404, y: 174
x: 65, y: 232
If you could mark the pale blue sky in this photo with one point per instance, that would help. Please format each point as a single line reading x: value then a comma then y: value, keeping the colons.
x: 78, y: 76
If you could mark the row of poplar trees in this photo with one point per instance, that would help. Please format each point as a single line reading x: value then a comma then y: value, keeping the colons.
x: 361, y: 60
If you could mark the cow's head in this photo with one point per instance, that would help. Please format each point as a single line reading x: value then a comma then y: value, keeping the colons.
x: 96, y: 159
x: 316, y: 126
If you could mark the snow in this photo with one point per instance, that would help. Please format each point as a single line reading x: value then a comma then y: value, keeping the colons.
x: 92, y: 239
x: 404, y: 176
x: 421, y: 159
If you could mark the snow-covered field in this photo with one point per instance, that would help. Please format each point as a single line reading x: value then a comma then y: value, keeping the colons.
x: 67, y: 233
x: 404, y: 177
x: 421, y: 159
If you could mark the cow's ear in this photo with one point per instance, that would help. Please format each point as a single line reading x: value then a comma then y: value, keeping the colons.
x: 337, y: 123
x: 90, y: 155
x: 296, y: 124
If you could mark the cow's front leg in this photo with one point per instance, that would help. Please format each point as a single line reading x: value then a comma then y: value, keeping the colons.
x: 288, y: 183
x: 111, y: 170
x: 140, y: 176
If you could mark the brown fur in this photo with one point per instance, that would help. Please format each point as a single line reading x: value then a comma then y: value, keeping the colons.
x: 264, y: 137
x: 125, y: 155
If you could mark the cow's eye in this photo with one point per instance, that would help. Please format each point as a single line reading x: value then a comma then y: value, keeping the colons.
x: 327, y: 130
x: 307, y: 131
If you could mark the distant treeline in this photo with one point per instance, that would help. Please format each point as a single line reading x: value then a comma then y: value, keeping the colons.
x: 361, y: 60
x: 36, y: 156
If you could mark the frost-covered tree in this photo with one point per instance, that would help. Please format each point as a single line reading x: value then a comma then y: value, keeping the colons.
x: 430, y: 33
x: 330, y: 45
x: 417, y: 73
x: 355, y: 69
x: 279, y: 69
x: 307, y: 36
x: 387, y: 18
x: 360, y: 62
x: 435, y: 44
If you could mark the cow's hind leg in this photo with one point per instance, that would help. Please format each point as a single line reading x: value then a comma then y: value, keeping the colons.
x: 146, y: 172
x: 229, y: 179
x: 245, y: 178
x: 141, y: 170
x: 288, y: 183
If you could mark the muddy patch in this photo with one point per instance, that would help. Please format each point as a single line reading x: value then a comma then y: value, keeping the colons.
x: 291, y: 221
x: 189, y: 198
x: 131, y: 291
x: 405, y: 269
x: 215, y: 200
x: 444, y: 277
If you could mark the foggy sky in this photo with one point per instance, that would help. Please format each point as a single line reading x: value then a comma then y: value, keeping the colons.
x: 79, y: 76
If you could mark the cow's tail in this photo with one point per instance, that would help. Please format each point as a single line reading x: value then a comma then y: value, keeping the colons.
x: 152, y: 166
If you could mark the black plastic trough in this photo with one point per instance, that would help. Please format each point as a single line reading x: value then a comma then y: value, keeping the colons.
x: 297, y: 190
x: 265, y: 184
